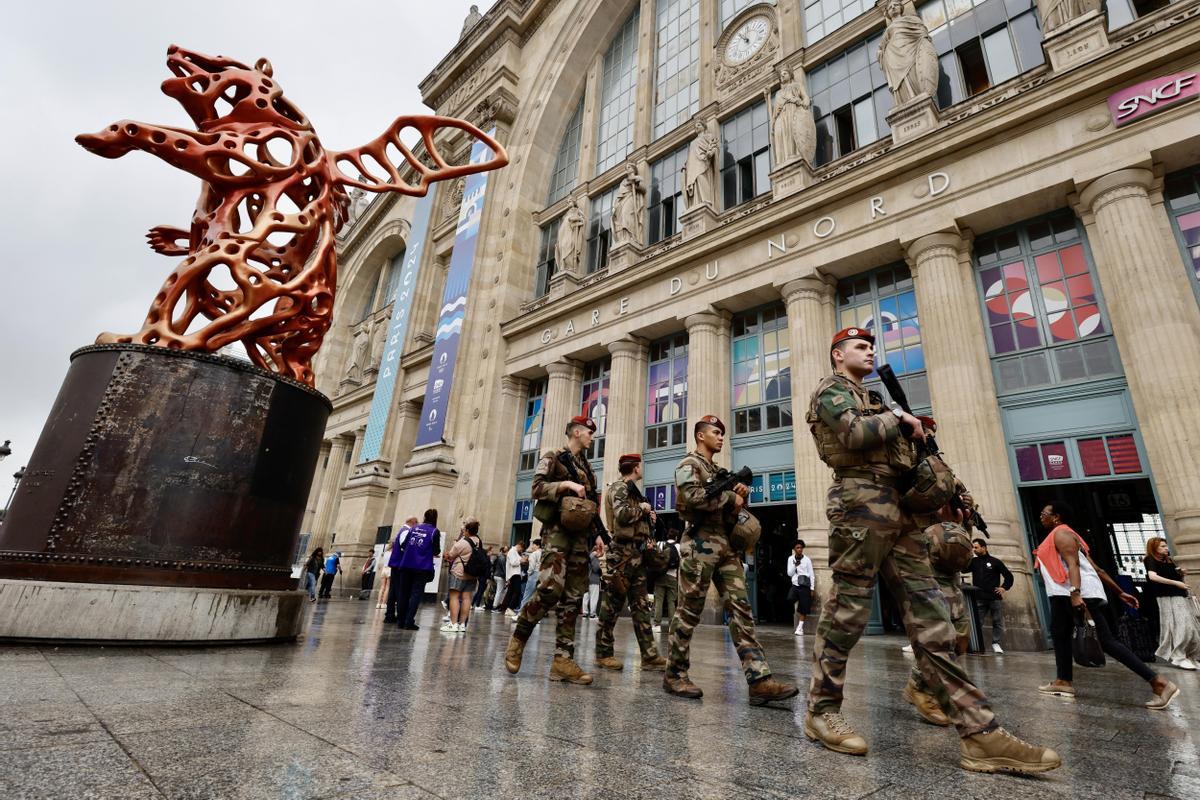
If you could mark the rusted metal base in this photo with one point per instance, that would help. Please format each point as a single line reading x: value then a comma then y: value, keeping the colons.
x: 167, y: 468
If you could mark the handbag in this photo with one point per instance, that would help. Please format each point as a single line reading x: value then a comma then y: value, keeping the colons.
x: 1085, y: 644
x: 1136, y: 633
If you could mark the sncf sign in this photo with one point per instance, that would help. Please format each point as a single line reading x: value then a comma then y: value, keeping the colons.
x: 1148, y: 97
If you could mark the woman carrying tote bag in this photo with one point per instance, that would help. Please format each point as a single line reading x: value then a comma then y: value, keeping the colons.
x: 1178, y: 629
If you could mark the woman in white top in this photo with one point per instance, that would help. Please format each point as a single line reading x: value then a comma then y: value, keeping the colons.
x: 1073, y: 581
x: 800, y: 570
x: 386, y: 572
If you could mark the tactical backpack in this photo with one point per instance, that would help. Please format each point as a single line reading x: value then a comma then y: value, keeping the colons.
x: 478, y: 564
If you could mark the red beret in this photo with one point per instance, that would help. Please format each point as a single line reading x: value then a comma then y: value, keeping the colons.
x: 630, y: 458
x: 929, y: 424
x: 851, y: 333
x: 586, y: 422
x: 709, y: 419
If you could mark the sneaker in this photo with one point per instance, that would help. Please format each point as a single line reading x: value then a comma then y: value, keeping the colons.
x: 996, y: 648
x: 656, y: 628
x: 1184, y: 663
x: 510, y: 614
x: 768, y: 690
x: 512, y: 656
x: 565, y: 669
x: 799, y: 630
x: 834, y: 732
x: 1059, y: 689
x: 1161, y: 701
x: 926, y: 706
x: 681, y: 686
x: 461, y: 627
x: 906, y: 649
x: 610, y: 662
x: 449, y: 627
x: 1000, y: 751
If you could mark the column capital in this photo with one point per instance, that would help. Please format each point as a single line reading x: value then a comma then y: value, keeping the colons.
x: 513, y: 386
x: 566, y: 368
x: 712, y: 319
x: 1114, y: 186
x: 817, y: 287
x: 920, y: 248
x: 628, y: 346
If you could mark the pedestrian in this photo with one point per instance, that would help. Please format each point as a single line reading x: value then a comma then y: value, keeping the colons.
x: 564, y: 487
x: 312, y: 572
x: 991, y: 579
x: 512, y: 576
x: 461, y: 585
x: 499, y: 581
x: 804, y: 580
x: 385, y: 572
x: 1178, y: 628
x: 666, y: 588
x: 708, y: 555
x: 333, y: 566
x: 535, y: 564
x: 591, y: 600
x: 481, y: 585
x: 368, y: 577
x: 393, y: 595
x: 1075, y: 587
x: 630, y: 518
x: 415, y: 568
x: 872, y: 451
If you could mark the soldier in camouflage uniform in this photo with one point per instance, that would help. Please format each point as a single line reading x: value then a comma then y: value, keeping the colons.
x: 706, y: 555
x: 629, y: 519
x: 563, y: 576
x: 868, y: 449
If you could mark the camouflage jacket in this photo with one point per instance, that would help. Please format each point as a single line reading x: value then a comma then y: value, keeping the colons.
x: 854, y: 430
x: 551, y: 472
x: 713, y: 516
x: 627, y: 520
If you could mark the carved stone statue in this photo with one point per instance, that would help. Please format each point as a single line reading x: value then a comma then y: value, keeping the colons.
x: 454, y: 199
x: 378, y: 341
x: 359, y: 353
x: 906, y: 53
x: 473, y: 17
x: 1056, y: 13
x: 792, y: 123
x: 358, y: 203
x: 699, y: 168
x: 629, y: 209
x: 294, y: 281
x: 568, y: 247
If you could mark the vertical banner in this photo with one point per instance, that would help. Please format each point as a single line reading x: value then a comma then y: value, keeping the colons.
x: 389, y: 364
x: 454, y: 303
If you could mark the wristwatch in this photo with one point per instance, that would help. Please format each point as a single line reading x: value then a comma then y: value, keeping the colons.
x: 897, y: 410
x: 1075, y: 590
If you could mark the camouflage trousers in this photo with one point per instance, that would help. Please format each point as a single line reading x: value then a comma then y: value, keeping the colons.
x: 705, y: 561
x: 561, y: 581
x: 951, y: 586
x: 869, y: 536
x: 624, y: 578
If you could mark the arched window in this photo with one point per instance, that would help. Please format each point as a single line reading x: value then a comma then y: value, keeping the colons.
x: 618, y: 97
x: 566, y: 163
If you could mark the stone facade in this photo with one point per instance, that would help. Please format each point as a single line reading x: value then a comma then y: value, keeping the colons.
x: 1041, y: 142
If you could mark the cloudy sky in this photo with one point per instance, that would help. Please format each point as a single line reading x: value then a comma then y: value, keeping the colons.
x: 75, y: 262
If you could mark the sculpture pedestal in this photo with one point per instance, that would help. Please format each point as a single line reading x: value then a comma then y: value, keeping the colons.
x: 913, y: 119
x: 159, y: 468
x: 791, y: 178
x: 1076, y: 41
x: 698, y: 220
x: 624, y: 256
x: 562, y: 284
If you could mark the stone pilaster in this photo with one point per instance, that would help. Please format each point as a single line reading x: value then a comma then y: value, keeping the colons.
x: 494, y: 488
x: 709, y: 373
x: 963, y: 396
x: 314, y: 493
x: 626, y: 402
x: 588, y: 132
x: 709, y: 20
x: 1157, y: 326
x: 811, y: 324
x: 646, y: 64
x: 331, y: 486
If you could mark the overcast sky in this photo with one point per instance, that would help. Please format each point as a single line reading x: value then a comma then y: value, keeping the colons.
x: 75, y: 262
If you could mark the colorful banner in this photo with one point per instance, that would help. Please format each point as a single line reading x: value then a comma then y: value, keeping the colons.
x: 389, y: 364
x: 454, y: 303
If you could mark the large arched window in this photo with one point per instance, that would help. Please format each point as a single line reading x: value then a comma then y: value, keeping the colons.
x: 566, y: 163
x: 618, y: 97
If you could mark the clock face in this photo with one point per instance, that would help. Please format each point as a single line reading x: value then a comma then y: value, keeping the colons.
x: 747, y: 40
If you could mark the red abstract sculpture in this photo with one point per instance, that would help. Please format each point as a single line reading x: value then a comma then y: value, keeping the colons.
x: 261, y: 268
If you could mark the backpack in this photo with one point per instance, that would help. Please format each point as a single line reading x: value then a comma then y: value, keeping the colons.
x: 477, y: 565
x: 672, y: 557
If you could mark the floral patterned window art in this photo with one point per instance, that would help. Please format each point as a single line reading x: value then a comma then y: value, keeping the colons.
x: 1182, y: 192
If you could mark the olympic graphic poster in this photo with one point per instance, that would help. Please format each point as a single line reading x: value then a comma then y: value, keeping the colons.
x: 389, y: 364
x: 454, y: 303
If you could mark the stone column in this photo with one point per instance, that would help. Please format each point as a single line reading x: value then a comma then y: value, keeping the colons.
x: 709, y: 374
x: 626, y: 402
x: 314, y: 493
x: 494, y: 491
x: 811, y: 324
x: 963, y: 396
x: 331, y: 486
x: 1157, y: 326
x: 562, y: 399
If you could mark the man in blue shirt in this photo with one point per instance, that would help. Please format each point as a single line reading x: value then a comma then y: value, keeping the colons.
x: 333, y: 565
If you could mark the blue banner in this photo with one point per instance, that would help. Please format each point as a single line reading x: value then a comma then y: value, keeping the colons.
x: 389, y: 364
x: 454, y: 303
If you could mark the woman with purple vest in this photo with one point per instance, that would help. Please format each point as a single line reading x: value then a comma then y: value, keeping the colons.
x: 413, y: 567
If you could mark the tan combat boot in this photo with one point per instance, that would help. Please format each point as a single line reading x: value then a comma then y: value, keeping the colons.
x: 681, y: 686
x: 610, y: 662
x: 654, y: 663
x: 1000, y: 751
x: 833, y: 731
x: 769, y: 689
x: 565, y: 669
x: 926, y: 706
x: 512, y: 656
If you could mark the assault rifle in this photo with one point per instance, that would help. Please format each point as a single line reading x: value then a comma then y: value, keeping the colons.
x: 724, y: 480
x: 888, y: 377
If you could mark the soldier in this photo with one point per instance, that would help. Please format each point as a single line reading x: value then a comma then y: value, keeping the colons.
x: 629, y: 521
x: 868, y: 447
x: 708, y: 556
x: 562, y: 479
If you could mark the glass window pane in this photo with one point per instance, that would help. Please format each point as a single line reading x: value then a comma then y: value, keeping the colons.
x: 1029, y: 465
x: 1054, y: 459
x: 1001, y: 60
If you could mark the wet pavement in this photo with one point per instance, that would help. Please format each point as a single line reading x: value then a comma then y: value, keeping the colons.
x: 356, y: 709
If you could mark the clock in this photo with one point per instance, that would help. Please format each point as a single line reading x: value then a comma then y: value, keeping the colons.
x: 747, y: 40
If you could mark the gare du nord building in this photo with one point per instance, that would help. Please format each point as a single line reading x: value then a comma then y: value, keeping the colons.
x: 1024, y: 241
